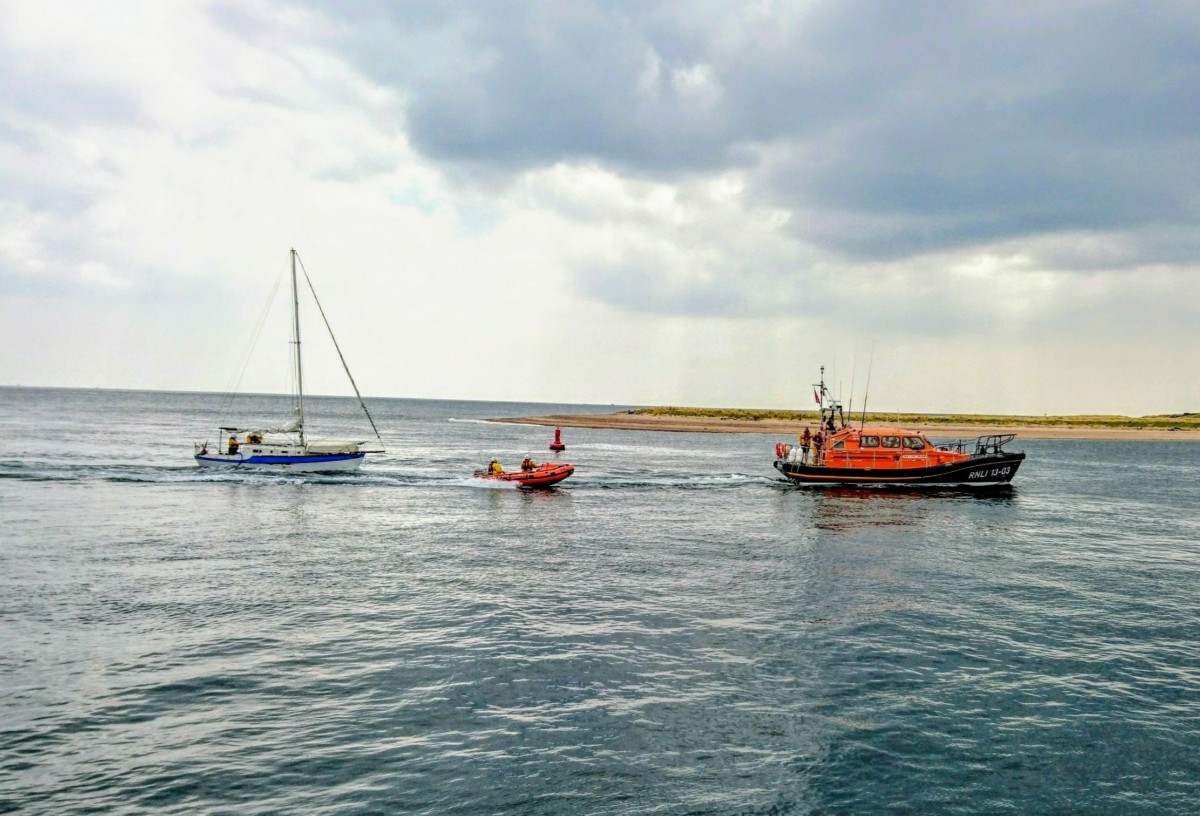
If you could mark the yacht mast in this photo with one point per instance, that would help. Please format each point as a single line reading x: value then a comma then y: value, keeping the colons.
x: 296, y: 341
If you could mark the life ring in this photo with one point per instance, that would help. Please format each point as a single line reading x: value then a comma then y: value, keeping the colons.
x: 778, y: 450
x: 787, y: 449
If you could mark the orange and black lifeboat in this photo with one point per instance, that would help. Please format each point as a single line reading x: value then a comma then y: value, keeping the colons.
x: 896, y: 456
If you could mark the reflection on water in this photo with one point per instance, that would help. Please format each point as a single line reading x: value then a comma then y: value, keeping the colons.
x: 884, y: 492
x: 847, y: 507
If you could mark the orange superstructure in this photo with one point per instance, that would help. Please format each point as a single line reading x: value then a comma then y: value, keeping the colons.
x: 884, y: 448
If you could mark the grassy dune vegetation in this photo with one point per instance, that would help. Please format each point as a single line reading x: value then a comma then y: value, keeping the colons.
x: 1188, y: 421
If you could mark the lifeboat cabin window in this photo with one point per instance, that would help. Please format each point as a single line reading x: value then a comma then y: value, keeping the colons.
x: 914, y: 443
x: 891, y: 441
x: 869, y: 442
x: 839, y: 445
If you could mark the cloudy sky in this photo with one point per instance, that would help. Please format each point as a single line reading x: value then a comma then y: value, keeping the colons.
x: 991, y: 207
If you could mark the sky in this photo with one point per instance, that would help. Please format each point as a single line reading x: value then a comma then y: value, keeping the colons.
x: 953, y: 207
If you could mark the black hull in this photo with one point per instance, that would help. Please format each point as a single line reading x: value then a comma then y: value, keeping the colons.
x: 992, y: 469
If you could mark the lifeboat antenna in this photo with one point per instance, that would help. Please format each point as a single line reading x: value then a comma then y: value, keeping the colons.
x: 853, y: 379
x: 867, y: 390
x: 821, y: 397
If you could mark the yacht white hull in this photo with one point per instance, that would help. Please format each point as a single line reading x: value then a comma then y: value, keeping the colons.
x: 321, y: 463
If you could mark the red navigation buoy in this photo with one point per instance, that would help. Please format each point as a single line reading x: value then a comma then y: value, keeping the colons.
x: 557, y: 444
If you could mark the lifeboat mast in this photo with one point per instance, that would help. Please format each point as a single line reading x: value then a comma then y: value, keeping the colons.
x: 831, y: 408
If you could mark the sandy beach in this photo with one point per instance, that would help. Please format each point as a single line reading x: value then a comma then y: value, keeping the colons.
x: 644, y: 422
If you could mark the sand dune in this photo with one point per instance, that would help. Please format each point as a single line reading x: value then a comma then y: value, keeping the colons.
x: 645, y: 422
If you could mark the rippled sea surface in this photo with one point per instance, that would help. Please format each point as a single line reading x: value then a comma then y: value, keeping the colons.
x: 672, y: 631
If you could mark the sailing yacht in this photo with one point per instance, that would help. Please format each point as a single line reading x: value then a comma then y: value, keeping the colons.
x: 287, y: 446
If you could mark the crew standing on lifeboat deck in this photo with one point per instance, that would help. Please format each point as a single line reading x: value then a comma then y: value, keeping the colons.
x: 818, y: 441
x: 805, y: 444
x: 233, y: 444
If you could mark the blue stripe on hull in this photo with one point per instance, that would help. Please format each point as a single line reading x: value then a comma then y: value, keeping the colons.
x: 300, y: 462
x: 295, y: 460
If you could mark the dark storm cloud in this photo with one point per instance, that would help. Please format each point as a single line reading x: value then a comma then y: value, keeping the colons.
x: 906, y: 127
x: 1008, y: 123
x: 522, y: 85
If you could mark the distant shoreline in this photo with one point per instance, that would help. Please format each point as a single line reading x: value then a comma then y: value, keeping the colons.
x: 625, y: 421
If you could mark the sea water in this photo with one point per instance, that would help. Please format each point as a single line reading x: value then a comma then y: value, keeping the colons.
x: 672, y: 631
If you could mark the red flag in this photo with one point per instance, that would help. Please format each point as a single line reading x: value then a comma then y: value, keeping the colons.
x: 816, y: 397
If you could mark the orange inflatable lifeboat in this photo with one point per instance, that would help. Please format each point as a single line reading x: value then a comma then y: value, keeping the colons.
x: 840, y: 454
x: 544, y: 475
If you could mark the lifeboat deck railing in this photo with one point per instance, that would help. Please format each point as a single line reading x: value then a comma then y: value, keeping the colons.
x: 980, y: 446
x: 881, y: 458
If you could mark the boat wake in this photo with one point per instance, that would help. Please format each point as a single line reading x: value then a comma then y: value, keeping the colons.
x: 182, y: 474
x: 374, y: 476
x: 486, y: 484
x: 711, y: 481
